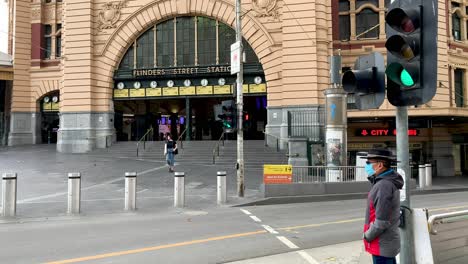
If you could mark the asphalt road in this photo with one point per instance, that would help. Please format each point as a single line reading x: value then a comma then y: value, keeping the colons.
x: 214, y: 235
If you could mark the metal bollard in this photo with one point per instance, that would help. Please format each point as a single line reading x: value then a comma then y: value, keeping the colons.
x: 9, y: 194
x: 74, y: 192
x: 130, y: 191
x: 422, y: 176
x: 428, y: 175
x: 179, y: 189
x: 222, y: 195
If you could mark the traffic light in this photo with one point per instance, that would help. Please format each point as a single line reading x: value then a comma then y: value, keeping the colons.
x: 229, y: 116
x: 411, y: 27
x: 366, y: 81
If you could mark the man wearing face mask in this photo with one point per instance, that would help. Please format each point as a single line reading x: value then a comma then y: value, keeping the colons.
x: 381, y: 234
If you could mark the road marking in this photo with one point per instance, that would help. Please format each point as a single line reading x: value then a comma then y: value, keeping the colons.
x: 287, y: 242
x: 270, y: 229
x: 119, y: 190
x: 86, y: 188
x: 245, y: 212
x: 144, y: 190
x: 146, y: 249
x: 447, y: 208
x: 307, y: 257
x: 322, y: 224
x: 256, y: 219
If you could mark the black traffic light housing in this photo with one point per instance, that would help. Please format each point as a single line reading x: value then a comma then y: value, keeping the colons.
x: 366, y: 81
x: 411, y: 27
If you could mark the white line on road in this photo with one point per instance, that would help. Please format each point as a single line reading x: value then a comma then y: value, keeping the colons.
x: 119, y: 190
x: 86, y: 188
x: 287, y: 242
x: 270, y: 229
x: 307, y: 257
x: 245, y: 212
x: 256, y: 219
x: 144, y: 190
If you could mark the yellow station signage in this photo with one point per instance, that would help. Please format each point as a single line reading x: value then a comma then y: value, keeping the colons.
x: 204, y: 90
x: 170, y: 91
x: 189, y: 90
x: 123, y: 93
x: 150, y: 92
x: 222, y: 89
x: 137, y: 92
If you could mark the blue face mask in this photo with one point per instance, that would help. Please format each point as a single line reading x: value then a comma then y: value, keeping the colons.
x: 369, y: 170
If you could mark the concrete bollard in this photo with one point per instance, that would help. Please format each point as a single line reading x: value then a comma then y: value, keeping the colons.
x: 130, y: 191
x: 74, y: 192
x: 9, y: 188
x: 179, y: 189
x: 222, y: 194
x: 422, y: 176
x: 428, y: 175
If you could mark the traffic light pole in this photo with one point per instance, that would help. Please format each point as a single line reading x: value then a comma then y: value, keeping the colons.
x: 240, y: 106
x: 407, y: 243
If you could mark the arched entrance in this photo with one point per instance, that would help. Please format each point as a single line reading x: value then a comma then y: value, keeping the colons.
x: 49, y: 105
x: 176, y: 75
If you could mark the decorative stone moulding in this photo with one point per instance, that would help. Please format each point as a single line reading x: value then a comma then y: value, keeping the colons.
x: 266, y: 8
x: 110, y: 14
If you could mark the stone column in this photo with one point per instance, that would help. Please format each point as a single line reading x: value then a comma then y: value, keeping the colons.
x: 24, y: 118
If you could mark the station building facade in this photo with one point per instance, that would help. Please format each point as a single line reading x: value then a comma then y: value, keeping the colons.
x: 91, y: 72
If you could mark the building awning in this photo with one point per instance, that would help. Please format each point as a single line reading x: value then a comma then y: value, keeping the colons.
x: 6, y: 67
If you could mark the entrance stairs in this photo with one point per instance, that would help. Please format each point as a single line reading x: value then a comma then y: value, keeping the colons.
x: 201, y: 152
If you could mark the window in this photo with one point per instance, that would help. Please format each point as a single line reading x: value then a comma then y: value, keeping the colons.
x: 227, y: 37
x: 456, y: 27
x: 455, y: 5
x: 459, y: 85
x: 344, y: 5
x: 127, y: 61
x: 250, y: 56
x: 345, y: 28
x: 58, y: 41
x: 365, y: 20
x: 165, y: 44
x: 206, y: 42
x: 359, y: 3
x: 185, y: 41
x: 145, y: 50
x: 47, y: 41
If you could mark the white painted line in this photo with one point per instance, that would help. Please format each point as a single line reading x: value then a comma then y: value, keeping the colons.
x: 287, y: 242
x: 144, y: 190
x: 245, y: 212
x: 256, y: 219
x: 119, y: 190
x: 86, y: 188
x: 269, y: 229
x: 307, y: 257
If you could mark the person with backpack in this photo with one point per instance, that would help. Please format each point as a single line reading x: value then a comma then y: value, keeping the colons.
x: 170, y: 150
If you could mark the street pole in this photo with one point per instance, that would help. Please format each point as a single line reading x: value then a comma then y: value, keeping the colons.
x: 240, y: 106
x: 407, y: 244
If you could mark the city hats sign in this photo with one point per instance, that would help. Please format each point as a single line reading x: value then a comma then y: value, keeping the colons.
x: 277, y: 174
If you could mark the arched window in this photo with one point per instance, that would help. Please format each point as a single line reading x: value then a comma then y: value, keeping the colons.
x: 456, y: 27
x: 184, y: 41
x: 359, y: 3
x: 366, y: 21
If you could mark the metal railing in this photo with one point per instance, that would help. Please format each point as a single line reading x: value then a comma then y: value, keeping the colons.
x: 143, y: 139
x: 179, y: 139
x: 446, y: 218
x: 216, y: 148
x: 308, y: 124
x: 318, y: 174
x: 278, y: 140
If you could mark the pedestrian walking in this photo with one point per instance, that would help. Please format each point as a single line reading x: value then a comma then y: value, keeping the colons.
x: 381, y: 232
x: 170, y: 149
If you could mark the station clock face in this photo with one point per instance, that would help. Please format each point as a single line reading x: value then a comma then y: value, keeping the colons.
x: 55, y: 99
x: 221, y: 81
x: 46, y: 99
x: 204, y: 82
x: 153, y: 84
x: 258, y: 80
x: 136, y: 85
x: 120, y: 85
x: 187, y: 82
x: 170, y: 83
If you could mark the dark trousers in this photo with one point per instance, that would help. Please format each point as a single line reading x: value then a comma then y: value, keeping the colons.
x: 383, y: 260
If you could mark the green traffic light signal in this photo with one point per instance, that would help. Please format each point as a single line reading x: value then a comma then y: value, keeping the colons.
x: 406, y: 78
